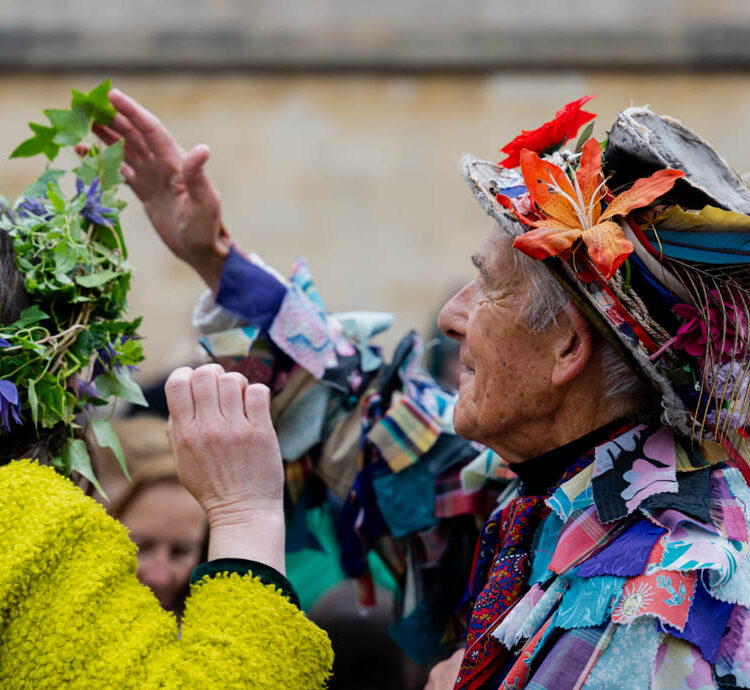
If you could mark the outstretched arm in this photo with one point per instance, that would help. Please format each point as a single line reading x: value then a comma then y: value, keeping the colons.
x: 179, y: 199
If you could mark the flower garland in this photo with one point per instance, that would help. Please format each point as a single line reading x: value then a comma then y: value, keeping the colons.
x: 73, y: 348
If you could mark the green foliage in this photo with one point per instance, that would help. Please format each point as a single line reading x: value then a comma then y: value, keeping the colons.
x: 70, y: 249
x: 69, y: 127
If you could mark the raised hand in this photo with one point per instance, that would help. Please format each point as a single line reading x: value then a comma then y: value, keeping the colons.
x: 177, y: 195
x: 227, y: 456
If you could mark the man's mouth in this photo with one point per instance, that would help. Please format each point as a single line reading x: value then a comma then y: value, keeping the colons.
x: 466, y: 369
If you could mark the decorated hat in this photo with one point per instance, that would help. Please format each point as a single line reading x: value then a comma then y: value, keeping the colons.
x: 649, y: 233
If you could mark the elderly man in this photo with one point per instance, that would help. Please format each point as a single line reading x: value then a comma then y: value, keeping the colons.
x: 604, y: 351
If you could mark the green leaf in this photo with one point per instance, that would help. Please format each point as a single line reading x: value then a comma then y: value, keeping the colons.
x: 39, y: 188
x: 107, y: 438
x: 75, y: 457
x: 111, y: 161
x: 71, y: 125
x: 585, y: 136
x: 43, y: 141
x: 96, y: 103
x: 30, y: 315
x: 54, y: 194
x: 33, y: 403
x: 98, y: 279
x: 119, y: 384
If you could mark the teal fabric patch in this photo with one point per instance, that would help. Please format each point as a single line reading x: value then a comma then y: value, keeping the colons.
x: 626, y: 662
x: 544, y: 547
x: 407, y: 499
x: 589, y: 601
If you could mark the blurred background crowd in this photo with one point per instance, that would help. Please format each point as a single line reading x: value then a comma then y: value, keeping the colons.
x: 335, y: 128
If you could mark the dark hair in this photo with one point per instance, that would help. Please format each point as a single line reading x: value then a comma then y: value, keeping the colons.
x: 23, y: 441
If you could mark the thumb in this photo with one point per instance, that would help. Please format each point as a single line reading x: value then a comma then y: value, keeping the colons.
x: 258, y: 405
x: 194, y: 173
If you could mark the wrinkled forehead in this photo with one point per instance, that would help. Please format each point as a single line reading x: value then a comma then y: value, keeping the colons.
x: 497, y: 260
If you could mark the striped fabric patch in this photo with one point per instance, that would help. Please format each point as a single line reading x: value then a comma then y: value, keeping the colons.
x: 405, y: 434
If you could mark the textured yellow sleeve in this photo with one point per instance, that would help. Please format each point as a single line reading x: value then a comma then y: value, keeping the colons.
x: 73, y: 614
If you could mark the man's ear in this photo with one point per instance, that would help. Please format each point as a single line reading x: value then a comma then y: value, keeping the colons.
x: 574, y: 346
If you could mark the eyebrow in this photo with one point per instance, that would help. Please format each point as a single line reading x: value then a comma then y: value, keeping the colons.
x: 479, y: 264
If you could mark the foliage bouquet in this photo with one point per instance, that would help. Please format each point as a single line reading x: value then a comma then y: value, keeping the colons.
x: 72, y: 349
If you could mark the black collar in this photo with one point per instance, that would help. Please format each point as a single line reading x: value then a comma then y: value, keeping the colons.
x: 540, y: 474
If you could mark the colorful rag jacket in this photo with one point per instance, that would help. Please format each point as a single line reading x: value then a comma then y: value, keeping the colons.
x: 371, y: 439
x: 73, y: 614
x: 634, y: 573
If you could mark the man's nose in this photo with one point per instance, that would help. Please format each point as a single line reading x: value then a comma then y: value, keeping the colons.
x: 452, y: 318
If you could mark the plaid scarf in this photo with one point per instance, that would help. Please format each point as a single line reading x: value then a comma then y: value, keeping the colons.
x: 502, y: 560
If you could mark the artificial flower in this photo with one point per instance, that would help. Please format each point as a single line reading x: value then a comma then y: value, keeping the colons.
x: 572, y: 210
x: 9, y: 405
x: 722, y: 323
x: 551, y: 135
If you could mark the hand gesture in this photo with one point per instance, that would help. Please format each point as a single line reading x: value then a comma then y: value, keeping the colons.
x: 179, y: 199
x: 227, y: 456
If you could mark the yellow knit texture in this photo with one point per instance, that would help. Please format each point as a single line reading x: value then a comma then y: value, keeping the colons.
x: 73, y: 614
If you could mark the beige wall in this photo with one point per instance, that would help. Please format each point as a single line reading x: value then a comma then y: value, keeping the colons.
x: 357, y: 173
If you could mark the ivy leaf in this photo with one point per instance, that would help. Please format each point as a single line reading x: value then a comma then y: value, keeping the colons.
x: 111, y: 161
x: 54, y: 194
x: 43, y: 141
x: 95, y: 104
x: 71, y: 125
x: 93, y: 280
x: 119, y: 384
x: 105, y: 165
x: 33, y: 402
x: 75, y: 457
x: 107, y: 438
x: 39, y: 188
x: 30, y: 315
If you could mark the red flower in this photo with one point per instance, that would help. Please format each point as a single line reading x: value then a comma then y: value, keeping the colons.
x: 551, y: 135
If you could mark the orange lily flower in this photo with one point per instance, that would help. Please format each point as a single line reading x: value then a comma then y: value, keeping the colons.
x: 572, y: 210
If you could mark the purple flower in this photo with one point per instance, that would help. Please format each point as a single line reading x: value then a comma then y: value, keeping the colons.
x: 93, y: 211
x: 107, y: 360
x: 4, y: 343
x: 9, y: 405
x: 83, y: 388
x: 29, y: 208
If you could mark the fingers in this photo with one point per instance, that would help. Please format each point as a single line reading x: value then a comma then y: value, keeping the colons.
x: 129, y: 174
x: 194, y: 173
x: 231, y: 390
x: 105, y: 134
x: 133, y: 139
x: 154, y: 133
x: 257, y: 405
x: 205, y: 388
x: 180, y: 397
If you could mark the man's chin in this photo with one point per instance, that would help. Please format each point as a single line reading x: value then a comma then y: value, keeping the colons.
x: 463, y: 422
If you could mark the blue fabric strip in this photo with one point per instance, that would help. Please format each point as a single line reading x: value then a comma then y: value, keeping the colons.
x: 249, y: 291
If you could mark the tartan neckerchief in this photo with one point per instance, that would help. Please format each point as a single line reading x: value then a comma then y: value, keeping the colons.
x: 502, y: 560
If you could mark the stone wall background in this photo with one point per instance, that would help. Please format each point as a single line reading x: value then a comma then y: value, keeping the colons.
x: 336, y: 127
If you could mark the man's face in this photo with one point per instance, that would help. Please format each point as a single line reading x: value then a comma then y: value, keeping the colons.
x: 505, y: 377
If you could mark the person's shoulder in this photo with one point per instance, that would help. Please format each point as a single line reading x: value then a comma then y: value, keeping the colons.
x: 34, y: 498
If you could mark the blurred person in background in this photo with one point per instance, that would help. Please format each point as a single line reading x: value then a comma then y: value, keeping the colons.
x: 163, y: 519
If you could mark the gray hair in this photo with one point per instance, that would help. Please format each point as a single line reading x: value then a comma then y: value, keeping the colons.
x: 545, y: 299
